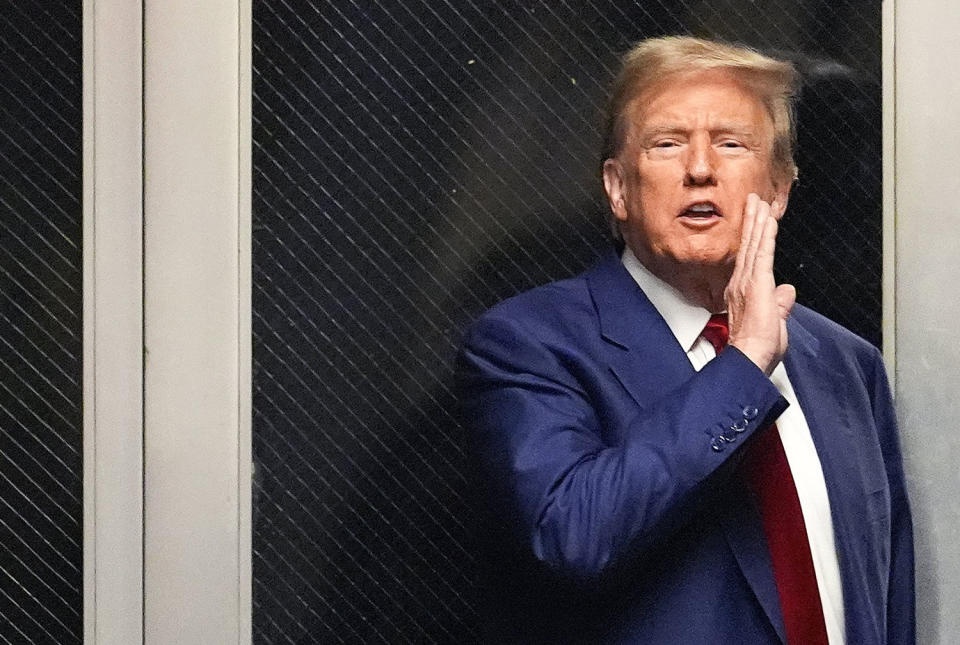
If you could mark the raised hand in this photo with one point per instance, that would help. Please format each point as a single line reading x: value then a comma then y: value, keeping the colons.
x: 756, y: 306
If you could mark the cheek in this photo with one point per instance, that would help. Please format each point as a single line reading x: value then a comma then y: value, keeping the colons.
x: 654, y: 214
x: 758, y: 182
x: 761, y: 182
x: 656, y: 198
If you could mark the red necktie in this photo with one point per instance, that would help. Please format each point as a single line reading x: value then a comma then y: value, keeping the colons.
x: 767, y: 473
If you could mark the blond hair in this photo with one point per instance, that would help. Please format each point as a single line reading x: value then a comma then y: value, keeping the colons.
x: 655, y: 59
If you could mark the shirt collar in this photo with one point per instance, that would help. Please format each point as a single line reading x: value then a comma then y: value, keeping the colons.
x: 685, y: 319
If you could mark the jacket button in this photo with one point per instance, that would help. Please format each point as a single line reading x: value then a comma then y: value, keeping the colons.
x: 717, y: 444
x: 750, y: 413
x: 729, y: 436
x: 739, y: 426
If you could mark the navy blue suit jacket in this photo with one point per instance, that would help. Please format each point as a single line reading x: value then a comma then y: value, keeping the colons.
x: 609, y: 514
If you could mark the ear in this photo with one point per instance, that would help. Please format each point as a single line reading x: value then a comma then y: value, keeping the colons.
x: 613, y: 184
x: 781, y: 195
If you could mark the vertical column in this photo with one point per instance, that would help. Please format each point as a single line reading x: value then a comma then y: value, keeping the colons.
x: 888, y: 308
x: 927, y: 186
x: 112, y: 322
x: 196, y: 322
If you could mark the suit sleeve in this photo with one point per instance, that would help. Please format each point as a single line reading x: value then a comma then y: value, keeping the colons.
x: 580, y: 505
x: 900, y: 591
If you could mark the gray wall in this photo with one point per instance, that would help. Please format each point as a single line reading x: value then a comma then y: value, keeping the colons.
x: 927, y: 308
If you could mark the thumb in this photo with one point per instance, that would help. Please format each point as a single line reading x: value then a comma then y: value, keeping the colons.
x: 786, y: 297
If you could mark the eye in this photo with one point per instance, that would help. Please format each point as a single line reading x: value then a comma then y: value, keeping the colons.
x: 730, y: 143
x: 666, y: 143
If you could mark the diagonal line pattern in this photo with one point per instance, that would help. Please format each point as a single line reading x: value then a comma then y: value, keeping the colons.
x: 415, y: 162
x: 41, y: 573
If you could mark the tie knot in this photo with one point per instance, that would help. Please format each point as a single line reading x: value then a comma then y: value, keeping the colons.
x: 717, y: 331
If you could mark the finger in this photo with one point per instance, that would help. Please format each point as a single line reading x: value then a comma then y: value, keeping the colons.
x: 734, y: 285
x: 757, y: 236
x: 749, y: 221
x: 746, y: 228
x: 786, y: 297
x: 766, y: 248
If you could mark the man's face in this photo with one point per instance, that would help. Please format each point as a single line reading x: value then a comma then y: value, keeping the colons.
x: 696, y: 146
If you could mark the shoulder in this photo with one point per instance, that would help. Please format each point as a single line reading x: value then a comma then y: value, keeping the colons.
x: 563, y: 310
x: 575, y: 305
x: 561, y: 299
x: 826, y: 329
x: 835, y: 342
x: 554, y: 311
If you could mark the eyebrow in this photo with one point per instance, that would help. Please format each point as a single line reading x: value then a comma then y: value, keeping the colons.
x: 726, y: 128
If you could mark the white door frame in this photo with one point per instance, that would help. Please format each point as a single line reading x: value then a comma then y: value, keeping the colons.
x: 197, y: 335
x: 112, y: 322
x: 167, y: 337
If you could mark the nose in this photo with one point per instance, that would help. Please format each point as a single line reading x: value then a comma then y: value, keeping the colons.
x: 700, y: 163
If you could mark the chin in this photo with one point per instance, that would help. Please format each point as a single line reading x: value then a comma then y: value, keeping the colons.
x: 707, y: 258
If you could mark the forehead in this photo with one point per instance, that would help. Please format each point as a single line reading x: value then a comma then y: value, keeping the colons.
x: 714, y: 99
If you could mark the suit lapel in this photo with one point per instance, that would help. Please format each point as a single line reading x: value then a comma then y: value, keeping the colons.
x: 821, y: 393
x: 645, y: 355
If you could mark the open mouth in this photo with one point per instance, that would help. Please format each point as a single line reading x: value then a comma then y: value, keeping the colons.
x: 701, y: 212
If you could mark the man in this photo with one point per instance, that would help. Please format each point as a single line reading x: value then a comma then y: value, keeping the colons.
x: 656, y: 465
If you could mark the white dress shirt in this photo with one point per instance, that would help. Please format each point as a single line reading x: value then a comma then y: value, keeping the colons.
x: 687, y: 320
